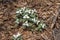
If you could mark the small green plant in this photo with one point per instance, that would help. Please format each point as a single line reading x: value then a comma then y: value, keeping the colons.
x: 29, y: 18
x: 17, y: 37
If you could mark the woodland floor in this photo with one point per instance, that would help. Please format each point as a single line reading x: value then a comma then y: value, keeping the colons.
x: 48, y: 10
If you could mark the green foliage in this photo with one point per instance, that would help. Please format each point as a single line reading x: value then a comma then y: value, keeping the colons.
x: 29, y: 18
x: 17, y: 37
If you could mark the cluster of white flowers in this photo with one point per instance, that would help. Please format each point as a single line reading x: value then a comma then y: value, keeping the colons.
x: 31, y: 11
x: 28, y: 16
x: 16, y: 35
x: 26, y: 23
x: 26, y: 11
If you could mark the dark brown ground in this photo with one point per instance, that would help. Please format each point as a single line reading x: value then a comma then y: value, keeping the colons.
x: 48, y: 10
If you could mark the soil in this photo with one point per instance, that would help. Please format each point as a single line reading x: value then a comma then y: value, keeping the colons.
x: 48, y: 10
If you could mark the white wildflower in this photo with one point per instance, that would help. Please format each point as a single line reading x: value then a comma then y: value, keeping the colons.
x: 28, y: 11
x: 26, y: 16
x: 32, y: 11
x: 43, y: 26
x: 26, y: 23
x: 23, y: 8
x: 38, y: 22
x: 35, y: 10
x: 20, y: 11
x: 34, y: 20
x: 17, y: 11
x: 16, y: 35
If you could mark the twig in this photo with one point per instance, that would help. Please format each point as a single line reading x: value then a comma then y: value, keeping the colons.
x: 55, y: 18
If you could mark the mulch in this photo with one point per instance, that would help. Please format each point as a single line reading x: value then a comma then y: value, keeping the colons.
x: 48, y: 10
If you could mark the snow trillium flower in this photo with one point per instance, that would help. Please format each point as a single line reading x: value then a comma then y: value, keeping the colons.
x: 43, y: 26
x: 17, y: 11
x: 16, y: 35
x: 20, y: 11
x: 35, y: 10
x: 26, y: 23
x: 38, y: 22
x: 26, y: 16
x: 32, y: 11
x: 23, y: 8
x: 28, y: 11
x: 34, y: 20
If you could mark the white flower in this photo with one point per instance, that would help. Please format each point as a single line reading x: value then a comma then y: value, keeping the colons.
x: 23, y: 8
x: 35, y: 10
x: 43, y: 26
x: 20, y: 11
x: 38, y: 21
x: 26, y: 16
x: 32, y: 11
x: 17, y: 11
x: 16, y: 35
x: 34, y: 20
x: 29, y: 11
x: 26, y: 23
